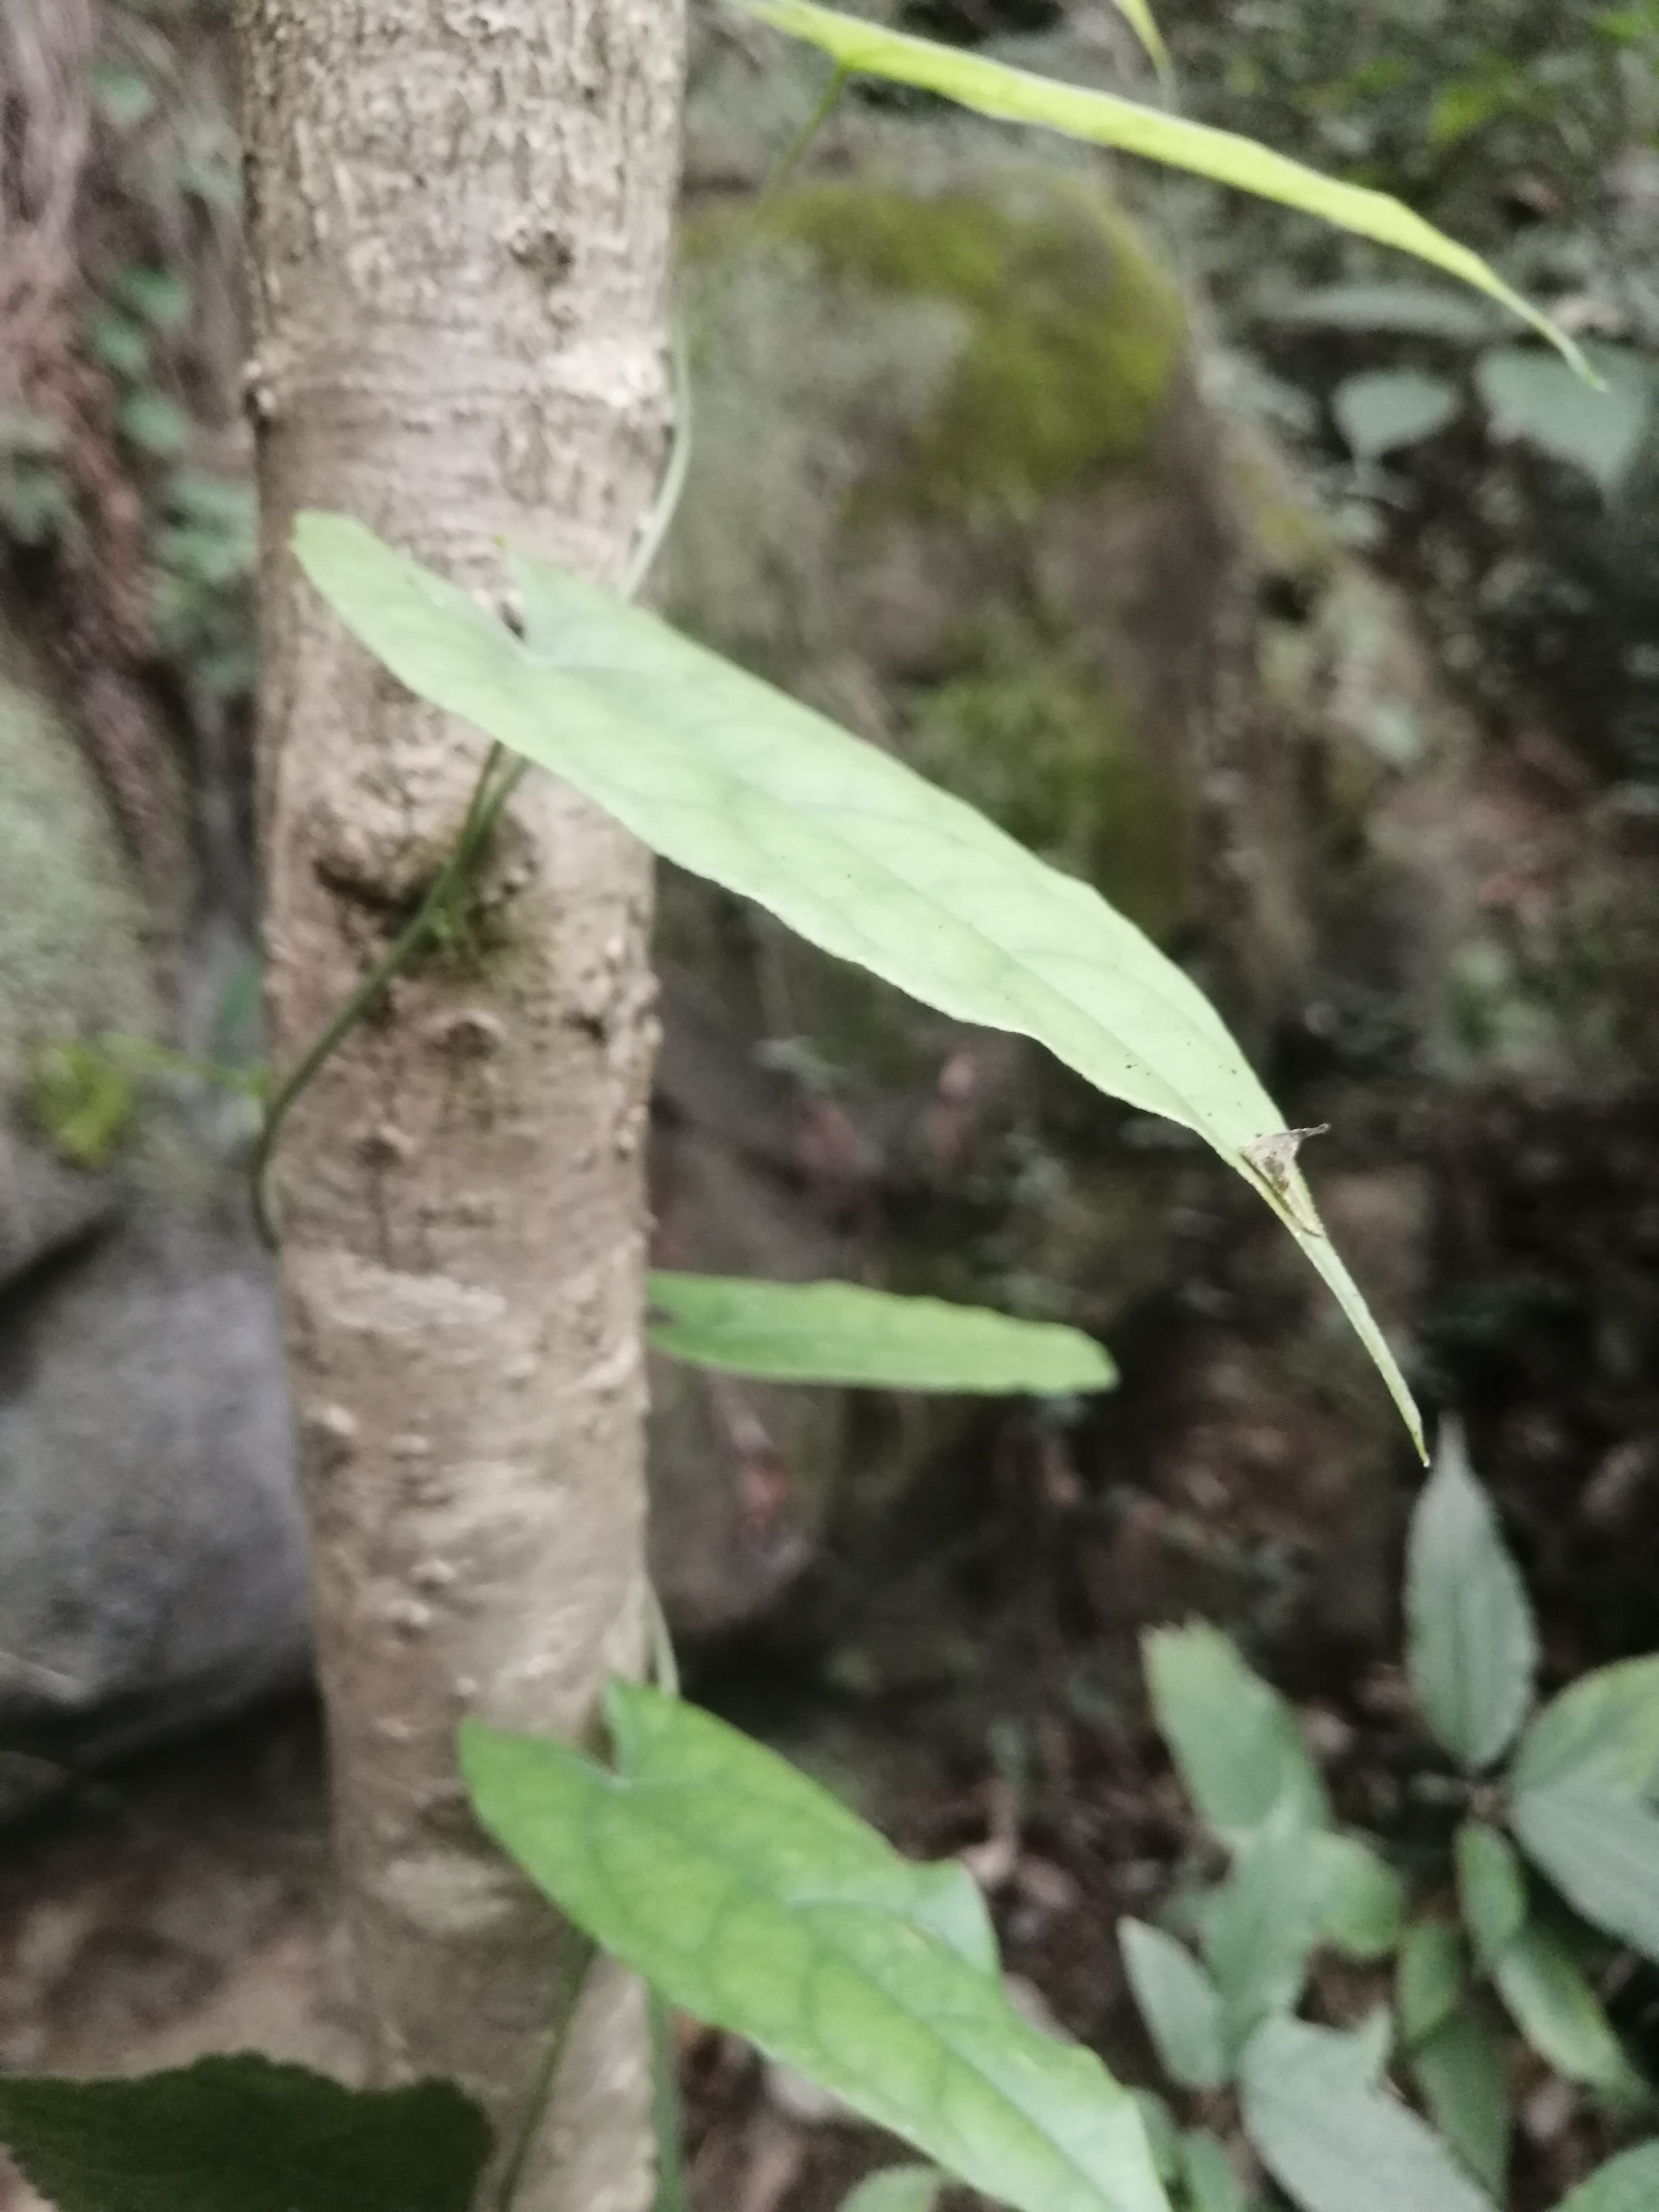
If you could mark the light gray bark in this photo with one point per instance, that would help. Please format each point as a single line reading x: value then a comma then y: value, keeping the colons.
x: 460, y: 217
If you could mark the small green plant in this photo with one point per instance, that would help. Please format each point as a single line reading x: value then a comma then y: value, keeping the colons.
x: 1549, y: 1847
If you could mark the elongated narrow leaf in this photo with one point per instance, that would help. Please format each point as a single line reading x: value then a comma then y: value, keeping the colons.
x: 1259, y: 1930
x: 1179, y: 2003
x: 1460, y: 2072
x: 1471, y: 1643
x: 1335, y: 2145
x: 727, y: 776
x: 1627, y: 2184
x: 1491, y: 1889
x: 749, y: 1897
x: 242, y: 2135
x: 1604, y: 1730
x: 1554, y: 2007
x: 1429, y: 1986
x: 1138, y: 14
x: 1207, y: 2175
x: 898, y: 2189
x: 1362, y: 1900
x: 991, y: 87
x: 842, y: 1333
x: 1601, y: 1849
x: 1235, y: 1740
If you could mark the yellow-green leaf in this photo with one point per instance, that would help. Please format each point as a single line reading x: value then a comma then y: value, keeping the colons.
x: 992, y: 88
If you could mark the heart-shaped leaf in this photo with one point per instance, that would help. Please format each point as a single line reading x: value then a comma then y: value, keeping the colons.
x: 749, y: 1897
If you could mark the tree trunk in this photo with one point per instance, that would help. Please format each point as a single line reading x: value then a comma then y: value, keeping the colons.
x: 460, y: 221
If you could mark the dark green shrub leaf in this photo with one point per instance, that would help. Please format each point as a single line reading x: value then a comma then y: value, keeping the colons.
x: 1460, y: 2072
x: 898, y: 2189
x: 840, y: 840
x: 1260, y: 1929
x: 1601, y: 1849
x: 1332, y: 2143
x: 1430, y: 1981
x: 1603, y: 1730
x: 1207, y: 2175
x: 242, y: 2135
x: 1626, y: 2184
x: 1362, y: 1900
x: 751, y: 1898
x: 1469, y: 1632
x: 1491, y: 1889
x: 841, y: 1332
x: 1553, y: 2004
x: 1235, y: 1740
x: 991, y: 87
x: 1179, y: 2003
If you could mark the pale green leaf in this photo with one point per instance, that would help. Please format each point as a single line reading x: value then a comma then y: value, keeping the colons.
x: 1460, y: 2073
x: 1394, y: 305
x: 242, y: 2135
x: 1430, y: 1980
x: 1603, y: 1730
x: 751, y: 1899
x: 1601, y: 1849
x: 1536, y: 396
x: 722, y: 774
x: 1161, y: 2136
x: 1362, y: 1900
x: 898, y: 2189
x: 842, y: 1333
x: 1179, y: 2003
x: 1629, y: 2183
x: 1470, y: 1640
x: 1260, y: 1929
x: 1207, y: 2175
x: 1013, y: 95
x: 1491, y: 1889
x: 1235, y: 1740
x: 1554, y: 2007
x: 1332, y: 2143
x: 1383, y: 408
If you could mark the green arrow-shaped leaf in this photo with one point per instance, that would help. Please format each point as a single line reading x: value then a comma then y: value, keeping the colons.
x: 842, y: 1333
x: 242, y: 2135
x: 748, y: 1896
x: 728, y: 777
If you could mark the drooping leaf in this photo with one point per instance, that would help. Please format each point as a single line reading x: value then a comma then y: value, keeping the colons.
x: 1179, y: 2003
x: 1470, y: 1640
x: 1603, y: 1730
x: 727, y: 776
x: 1532, y: 395
x: 1207, y: 2175
x: 1013, y: 95
x: 1334, y: 2144
x: 1601, y: 1849
x: 1235, y: 1740
x: 1553, y: 2004
x: 1629, y: 2183
x: 842, y: 1333
x: 1381, y: 409
x: 1491, y: 1889
x: 1460, y: 2072
x: 750, y: 1898
x: 1430, y: 1981
x: 898, y: 2189
x: 242, y: 2135
x: 1362, y: 1900
x: 1138, y: 14
x: 1260, y: 1927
